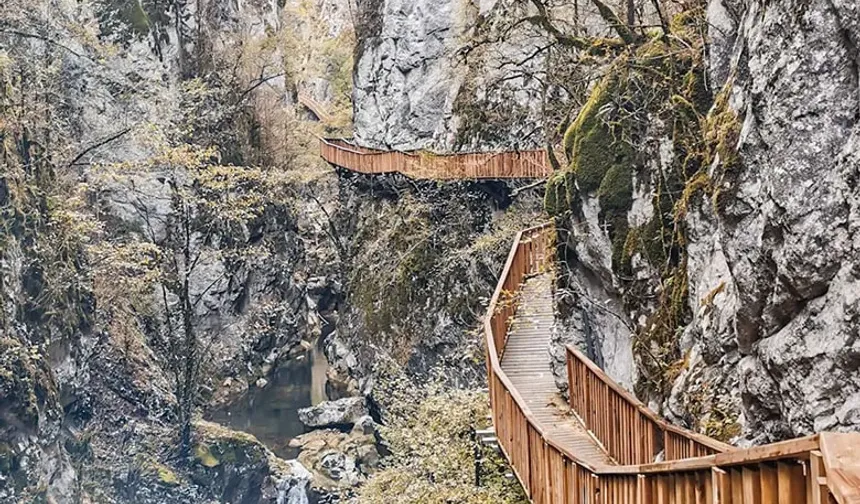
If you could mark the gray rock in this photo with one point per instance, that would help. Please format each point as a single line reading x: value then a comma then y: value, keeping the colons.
x: 410, y: 79
x: 341, y: 412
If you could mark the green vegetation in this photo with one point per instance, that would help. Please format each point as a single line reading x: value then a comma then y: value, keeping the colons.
x: 422, y: 243
x: 26, y: 384
x: 660, y: 80
x: 430, y: 433
x: 216, y: 445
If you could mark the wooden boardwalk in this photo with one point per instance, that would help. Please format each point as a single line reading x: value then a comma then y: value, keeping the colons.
x: 316, y: 107
x: 607, y: 447
x: 526, y: 361
x: 604, y: 447
x: 530, y: 164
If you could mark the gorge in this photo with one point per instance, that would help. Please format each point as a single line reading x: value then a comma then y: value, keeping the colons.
x: 181, y: 273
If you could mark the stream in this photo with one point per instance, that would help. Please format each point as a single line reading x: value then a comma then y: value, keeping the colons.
x: 271, y: 413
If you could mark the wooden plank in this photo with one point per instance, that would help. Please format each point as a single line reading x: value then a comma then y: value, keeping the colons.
x: 751, y: 485
x: 816, y: 486
x: 769, y: 484
x: 720, y: 486
x: 841, y: 460
x: 791, y: 487
x: 737, y: 486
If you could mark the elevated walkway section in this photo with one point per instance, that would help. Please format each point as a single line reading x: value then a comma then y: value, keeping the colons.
x: 426, y: 165
x: 604, y: 446
x: 526, y: 362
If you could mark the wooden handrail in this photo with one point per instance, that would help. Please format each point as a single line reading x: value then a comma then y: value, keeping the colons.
x: 652, y: 435
x: 314, y: 106
x: 812, y: 470
x: 428, y: 165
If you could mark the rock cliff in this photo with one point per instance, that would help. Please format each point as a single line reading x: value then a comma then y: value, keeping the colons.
x: 783, y: 240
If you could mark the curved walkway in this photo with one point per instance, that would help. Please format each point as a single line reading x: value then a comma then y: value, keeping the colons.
x: 526, y: 362
x: 428, y: 165
x: 606, y: 452
x: 604, y: 447
x: 315, y: 107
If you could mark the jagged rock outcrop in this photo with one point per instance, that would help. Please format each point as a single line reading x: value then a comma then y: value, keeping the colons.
x: 784, y: 245
x: 420, y: 260
x: 340, y: 461
x: 342, y: 412
x: 426, y: 79
x: 762, y: 303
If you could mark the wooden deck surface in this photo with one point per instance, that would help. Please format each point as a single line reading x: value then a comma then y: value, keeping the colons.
x: 526, y: 361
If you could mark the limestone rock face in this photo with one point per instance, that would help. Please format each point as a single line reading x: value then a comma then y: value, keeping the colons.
x: 342, y: 412
x: 339, y: 460
x: 240, y: 469
x: 781, y: 333
x: 404, y: 84
x: 771, y: 347
x: 416, y: 79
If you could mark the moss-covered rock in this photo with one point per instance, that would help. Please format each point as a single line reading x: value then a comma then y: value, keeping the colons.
x: 166, y: 476
x: 236, y: 467
x: 204, y: 457
x: 27, y: 387
x: 649, y: 126
x: 592, y: 142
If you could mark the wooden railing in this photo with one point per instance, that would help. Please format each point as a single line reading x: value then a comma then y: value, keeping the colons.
x: 697, y: 470
x: 314, y: 106
x: 607, y: 410
x: 426, y: 165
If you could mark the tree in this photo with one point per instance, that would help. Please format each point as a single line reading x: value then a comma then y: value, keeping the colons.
x: 548, y: 49
x: 210, y: 206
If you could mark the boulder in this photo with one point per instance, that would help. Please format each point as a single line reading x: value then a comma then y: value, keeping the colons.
x: 343, y: 412
x: 339, y: 460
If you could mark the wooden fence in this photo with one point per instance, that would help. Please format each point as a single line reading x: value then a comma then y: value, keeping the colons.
x: 629, y: 431
x: 316, y: 107
x: 696, y: 470
x: 426, y: 165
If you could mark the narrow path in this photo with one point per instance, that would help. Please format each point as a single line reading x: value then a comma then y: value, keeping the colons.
x: 526, y: 362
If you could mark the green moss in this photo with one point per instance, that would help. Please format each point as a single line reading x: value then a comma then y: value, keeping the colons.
x: 560, y: 194
x: 204, y: 456
x: 138, y: 18
x: 588, y: 119
x: 220, y: 445
x: 700, y: 182
x: 166, y: 476
x: 722, y: 130
x: 616, y: 189
x: 618, y: 232
x: 662, y: 78
x: 592, y: 143
x: 721, y: 424
x: 687, y: 23
x: 603, y: 46
x: 553, y: 200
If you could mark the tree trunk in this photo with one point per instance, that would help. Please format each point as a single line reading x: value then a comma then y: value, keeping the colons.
x: 189, y: 357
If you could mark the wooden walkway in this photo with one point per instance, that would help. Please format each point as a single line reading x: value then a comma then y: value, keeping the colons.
x: 603, y: 447
x: 526, y: 362
x: 316, y: 107
x: 428, y: 165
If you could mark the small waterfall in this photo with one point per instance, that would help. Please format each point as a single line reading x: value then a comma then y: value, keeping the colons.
x: 319, y: 368
x: 293, y: 495
x: 271, y: 412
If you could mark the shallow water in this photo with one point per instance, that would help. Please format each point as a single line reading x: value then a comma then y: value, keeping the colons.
x: 271, y: 413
